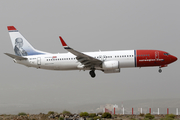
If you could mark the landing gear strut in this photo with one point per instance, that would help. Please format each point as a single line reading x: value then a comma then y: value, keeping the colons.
x: 160, y: 70
x: 92, y: 73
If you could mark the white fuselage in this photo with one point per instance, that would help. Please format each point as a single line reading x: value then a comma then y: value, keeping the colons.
x: 106, y: 61
x: 68, y: 61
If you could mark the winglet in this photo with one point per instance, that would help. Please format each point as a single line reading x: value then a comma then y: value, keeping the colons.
x: 62, y: 41
x: 64, y: 44
x: 11, y: 28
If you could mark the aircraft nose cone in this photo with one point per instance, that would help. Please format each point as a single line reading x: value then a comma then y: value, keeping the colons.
x: 174, y: 58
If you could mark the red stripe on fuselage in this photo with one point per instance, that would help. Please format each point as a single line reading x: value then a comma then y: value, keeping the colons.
x: 145, y: 58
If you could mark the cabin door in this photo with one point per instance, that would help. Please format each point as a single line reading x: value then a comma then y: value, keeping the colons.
x: 103, y: 57
x: 38, y: 61
x: 156, y: 56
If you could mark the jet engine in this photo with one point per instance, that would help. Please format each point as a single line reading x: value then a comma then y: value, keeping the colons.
x: 111, y: 67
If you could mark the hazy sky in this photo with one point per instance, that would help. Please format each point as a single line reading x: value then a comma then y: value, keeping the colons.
x: 88, y: 25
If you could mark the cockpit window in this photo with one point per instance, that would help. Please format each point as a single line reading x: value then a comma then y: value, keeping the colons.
x: 166, y: 54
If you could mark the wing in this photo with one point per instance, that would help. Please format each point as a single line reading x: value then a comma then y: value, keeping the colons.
x: 86, y: 60
x: 15, y: 56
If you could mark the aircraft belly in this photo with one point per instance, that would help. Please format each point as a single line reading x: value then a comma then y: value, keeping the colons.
x: 60, y: 66
x: 125, y: 63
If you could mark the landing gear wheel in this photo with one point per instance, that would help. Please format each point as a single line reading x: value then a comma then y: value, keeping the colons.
x: 160, y: 70
x: 92, y: 73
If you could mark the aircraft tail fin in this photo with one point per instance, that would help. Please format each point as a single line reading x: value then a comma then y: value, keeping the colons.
x: 20, y: 45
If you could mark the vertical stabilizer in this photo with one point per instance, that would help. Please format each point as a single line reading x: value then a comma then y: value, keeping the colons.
x: 21, y: 46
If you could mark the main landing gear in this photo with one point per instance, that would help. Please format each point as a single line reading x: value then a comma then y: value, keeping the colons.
x: 92, y: 73
x: 160, y: 70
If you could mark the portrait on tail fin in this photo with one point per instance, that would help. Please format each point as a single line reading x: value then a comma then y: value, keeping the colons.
x: 18, y: 49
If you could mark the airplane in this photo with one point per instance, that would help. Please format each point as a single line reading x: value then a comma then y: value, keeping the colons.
x: 105, y: 61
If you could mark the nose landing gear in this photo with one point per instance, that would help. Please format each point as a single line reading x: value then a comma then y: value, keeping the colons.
x: 92, y: 73
x: 160, y: 70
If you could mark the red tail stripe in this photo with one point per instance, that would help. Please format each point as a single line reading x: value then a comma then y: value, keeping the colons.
x: 11, y: 28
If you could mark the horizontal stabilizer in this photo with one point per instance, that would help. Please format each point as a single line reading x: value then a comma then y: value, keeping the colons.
x: 15, y: 56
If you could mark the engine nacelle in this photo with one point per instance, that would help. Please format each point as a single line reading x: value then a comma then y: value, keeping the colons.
x: 111, y: 67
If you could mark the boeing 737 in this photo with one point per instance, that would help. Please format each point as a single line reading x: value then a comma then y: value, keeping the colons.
x: 105, y: 61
